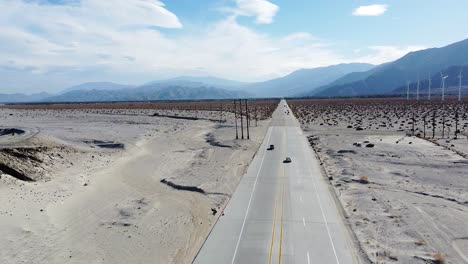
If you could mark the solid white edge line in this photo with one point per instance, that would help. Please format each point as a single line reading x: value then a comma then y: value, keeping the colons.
x: 251, y: 196
x: 326, y: 224
x: 323, y: 214
x: 319, y: 201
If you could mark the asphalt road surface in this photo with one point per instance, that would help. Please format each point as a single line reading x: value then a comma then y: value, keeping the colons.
x: 280, y: 212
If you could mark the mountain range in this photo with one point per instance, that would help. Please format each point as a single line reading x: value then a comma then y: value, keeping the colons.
x: 149, y: 92
x: 22, y: 98
x: 385, y: 78
x: 103, y: 86
x: 196, y: 88
x: 196, y: 81
x: 181, y: 88
x: 304, y: 80
x: 451, y: 82
x: 342, y: 80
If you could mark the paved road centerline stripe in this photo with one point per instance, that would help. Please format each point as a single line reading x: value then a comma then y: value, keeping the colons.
x: 281, y: 233
x: 274, y: 225
x: 282, y: 204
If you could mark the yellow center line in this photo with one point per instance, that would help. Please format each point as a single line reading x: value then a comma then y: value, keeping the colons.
x: 280, y: 184
x: 274, y: 225
x: 281, y: 233
x: 282, y: 206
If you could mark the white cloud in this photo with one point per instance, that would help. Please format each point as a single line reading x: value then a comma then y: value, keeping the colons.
x: 263, y: 10
x: 370, y: 10
x: 382, y: 54
x: 98, y: 40
x: 114, y: 42
x: 234, y: 51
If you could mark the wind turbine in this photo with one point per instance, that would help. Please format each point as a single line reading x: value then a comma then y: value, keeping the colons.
x: 407, y: 90
x: 460, y: 76
x: 417, y: 90
x: 443, y: 85
x: 430, y: 83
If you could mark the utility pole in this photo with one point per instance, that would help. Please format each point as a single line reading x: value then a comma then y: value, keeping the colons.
x: 247, y: 118
x: 424, y: 127
x: 433, y: 124
x: 242, y: 120
x: 443, y: 126
x: 235, y: 118
x: 256, y: 118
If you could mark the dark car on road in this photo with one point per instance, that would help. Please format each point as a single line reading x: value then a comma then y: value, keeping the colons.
x: 271, y: 147
x: 287, y: 160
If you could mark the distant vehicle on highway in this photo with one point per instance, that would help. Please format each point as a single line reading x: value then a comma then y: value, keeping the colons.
x: 287, y: 160
x: 271, y: 147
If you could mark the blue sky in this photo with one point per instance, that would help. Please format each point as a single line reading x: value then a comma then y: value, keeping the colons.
x: 49, y: 45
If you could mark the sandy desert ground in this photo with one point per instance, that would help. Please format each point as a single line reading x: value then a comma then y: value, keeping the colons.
x: 405, y: 197
x: 115, y: 186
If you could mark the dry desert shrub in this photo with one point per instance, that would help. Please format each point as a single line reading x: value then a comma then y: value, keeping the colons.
x: 420, y: 243
x: 364, y: 180
x: 438, y: 258
x: 415, y: 118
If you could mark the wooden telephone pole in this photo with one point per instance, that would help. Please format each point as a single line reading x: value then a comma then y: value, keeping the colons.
x: 235, y: 118
x: 242, y: 120
x: 247, y: 118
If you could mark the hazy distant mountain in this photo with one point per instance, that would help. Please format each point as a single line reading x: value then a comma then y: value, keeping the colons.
x: 451, y: 82
x: 387, y: 77
x: 192, y: 81
x: 305, y: 80
x: 348, y: 78
x: 96, y: 86
x: 146, y: 93
x: 355, y: 79
x: 22, y: 98
x: 183, y: 93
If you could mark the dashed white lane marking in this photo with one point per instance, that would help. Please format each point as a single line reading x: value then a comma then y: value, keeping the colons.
x: 308, y: 258
x: 300, y: 198
x: 303, y: 221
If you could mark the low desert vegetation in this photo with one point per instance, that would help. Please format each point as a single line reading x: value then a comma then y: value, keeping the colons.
x: 420, y: 243
x: 364, y: 179
x: 258, y: 109
x: 438, y: 258
x: 422, y: 118
x: 398, y: 168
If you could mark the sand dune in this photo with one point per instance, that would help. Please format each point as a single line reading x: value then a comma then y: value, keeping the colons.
x: 100, y: 198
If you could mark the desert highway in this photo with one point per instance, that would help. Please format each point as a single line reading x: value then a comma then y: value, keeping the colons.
x: 280, y: 212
